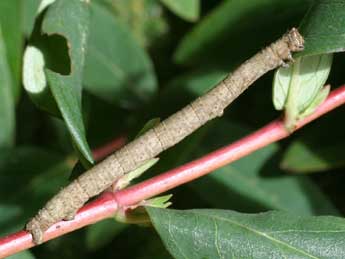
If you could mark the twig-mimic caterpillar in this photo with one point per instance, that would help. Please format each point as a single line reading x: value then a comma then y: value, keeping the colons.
x: 169, y: 132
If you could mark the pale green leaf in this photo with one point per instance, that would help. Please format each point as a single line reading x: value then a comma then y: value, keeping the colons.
x: 228, y: 234
x: 296, y: 87
x: 186, y: 9
x: 159, y: 202
x: 126, y: 179
x: 318, y: 100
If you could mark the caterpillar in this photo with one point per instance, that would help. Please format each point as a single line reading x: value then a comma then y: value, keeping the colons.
x: 64, y: 205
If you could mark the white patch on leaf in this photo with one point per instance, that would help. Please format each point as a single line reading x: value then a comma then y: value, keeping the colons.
x: 34, y: 79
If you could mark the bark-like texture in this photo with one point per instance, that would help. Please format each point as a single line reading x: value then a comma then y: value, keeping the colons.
x: 169, y: 132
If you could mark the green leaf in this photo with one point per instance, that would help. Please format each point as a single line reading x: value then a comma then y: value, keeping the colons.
x: 298, y: 88
x: 126, y: 179
x: 255, y: 182
x: 229, y: 234
x: 230, y: 26
x: 323, y: 32
x: 186, y: 9
x: 28, y: 177
x: 29, y: 13
x: 8, y: 212
x: 100, y: 234
x: 182, y: 89
x: 116, y: 69
x: 35, y: 82
x: 7, y: 114
x: 78, y: 169
x: 70, y: 18
x: 303, y: 158
x: 22, y: 255
x: 323, y: 28
x: 198, y: 82
x: 148, y: 125
x: 44, y: 4
x: 159, y: 202
x: 10, y: 23
x: 31, y: 9
x: 144, y: 18
x: 311, y: 151
x: 318, y: 100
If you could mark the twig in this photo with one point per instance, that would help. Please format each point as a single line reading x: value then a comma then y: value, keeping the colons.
x: 108, y: 203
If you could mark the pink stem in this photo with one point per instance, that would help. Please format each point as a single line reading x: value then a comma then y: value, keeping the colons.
x: 107, y: 204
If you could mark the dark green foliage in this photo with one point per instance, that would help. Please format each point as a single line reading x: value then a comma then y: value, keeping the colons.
x: 144, y: 59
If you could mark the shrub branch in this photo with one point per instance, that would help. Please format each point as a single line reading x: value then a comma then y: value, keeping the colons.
x: 169, y: 132
x: 108, y: 203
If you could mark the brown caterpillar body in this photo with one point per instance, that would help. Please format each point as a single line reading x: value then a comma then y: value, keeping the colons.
x: 169, y: 132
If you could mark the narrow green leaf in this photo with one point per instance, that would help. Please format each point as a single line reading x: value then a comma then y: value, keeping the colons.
x: 323, y: 28
x: 7, y: 114
x: 159, y: 202
x: 186, y: 9
x: 298, y: 88
x: 126, y: 179
x: 116, y: 69
x: 148, y: 125
x: 10, y: 23
x: 70, y: 18
x: 228, y: 234
x: 303, y: 158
